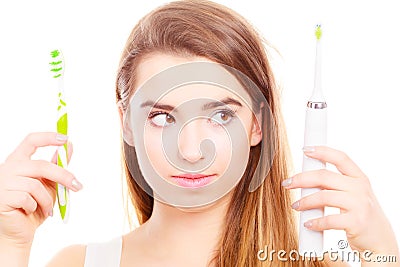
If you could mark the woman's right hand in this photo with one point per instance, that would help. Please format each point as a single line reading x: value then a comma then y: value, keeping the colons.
x: 28, y: 188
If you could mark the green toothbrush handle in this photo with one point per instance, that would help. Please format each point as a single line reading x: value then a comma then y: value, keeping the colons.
x: 62, y: 192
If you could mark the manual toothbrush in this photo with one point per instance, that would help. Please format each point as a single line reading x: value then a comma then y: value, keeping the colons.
x: 57, y: 69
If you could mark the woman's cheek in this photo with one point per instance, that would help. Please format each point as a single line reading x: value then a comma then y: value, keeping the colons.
x: 223, y: 150
x: 155, y: 152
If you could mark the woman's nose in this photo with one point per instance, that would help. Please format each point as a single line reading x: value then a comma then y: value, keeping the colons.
x: 189, y: 140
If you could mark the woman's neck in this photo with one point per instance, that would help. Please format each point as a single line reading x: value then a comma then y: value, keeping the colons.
x: 190, y: 233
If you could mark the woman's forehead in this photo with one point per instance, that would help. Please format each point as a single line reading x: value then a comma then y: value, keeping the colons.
x: 174, y: 80
x: 154, y: 63
x: 186, y: 93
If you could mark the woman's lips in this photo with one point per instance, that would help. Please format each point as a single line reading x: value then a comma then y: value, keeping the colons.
x: 193, y: 180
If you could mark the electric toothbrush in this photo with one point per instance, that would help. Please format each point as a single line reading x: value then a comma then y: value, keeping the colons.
x: 315, y: 134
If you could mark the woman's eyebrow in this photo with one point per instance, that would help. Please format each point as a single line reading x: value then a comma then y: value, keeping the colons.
x: 209, y: 105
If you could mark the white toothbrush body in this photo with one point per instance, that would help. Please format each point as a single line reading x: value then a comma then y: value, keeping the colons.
x: 314, y: 135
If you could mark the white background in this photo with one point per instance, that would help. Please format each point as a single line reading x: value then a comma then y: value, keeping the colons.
x: 360, y: 79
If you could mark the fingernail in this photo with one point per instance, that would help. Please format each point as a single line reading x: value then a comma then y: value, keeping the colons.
x: 308, y: 224
x: 309, y: 149
x: 50, y: 213
x: 77, y: 185
x: 296, y: 205
x: 61, y: 137
x: 287, y: 182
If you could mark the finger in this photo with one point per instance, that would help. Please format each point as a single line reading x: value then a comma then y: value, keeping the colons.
x: 340, y: 159
x: 20, y: 200
x: 34, y: 140
x: 70, y: 151
x: 54, y: 161
x: 326, y: 198
x: 43, y: 169
x: 323, y: 179
x: 336, y: 222
x: 36, y: 189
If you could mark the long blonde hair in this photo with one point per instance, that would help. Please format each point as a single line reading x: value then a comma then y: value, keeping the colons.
x: 206, y: 29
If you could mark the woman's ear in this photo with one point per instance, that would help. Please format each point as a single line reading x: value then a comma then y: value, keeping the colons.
x: 125, y: 126
x: 256, y: 132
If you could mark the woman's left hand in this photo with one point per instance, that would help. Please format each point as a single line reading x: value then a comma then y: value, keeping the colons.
x: 361, y: 216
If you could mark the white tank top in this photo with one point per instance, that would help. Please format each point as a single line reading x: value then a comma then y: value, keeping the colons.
x: 106, y: 254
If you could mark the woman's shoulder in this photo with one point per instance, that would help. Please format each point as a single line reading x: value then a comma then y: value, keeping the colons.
x: 69, y: 256
x: 89, y: 255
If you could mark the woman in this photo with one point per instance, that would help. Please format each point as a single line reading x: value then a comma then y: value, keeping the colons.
x: 231, y: 229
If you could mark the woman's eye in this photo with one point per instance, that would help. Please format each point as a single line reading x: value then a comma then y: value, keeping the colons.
x: 161, y: 119
x: 222, y: 116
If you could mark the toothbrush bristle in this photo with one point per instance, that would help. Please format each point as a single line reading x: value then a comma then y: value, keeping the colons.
x: 318, y: 31
x: 55, y: 53
x: 57, y: 65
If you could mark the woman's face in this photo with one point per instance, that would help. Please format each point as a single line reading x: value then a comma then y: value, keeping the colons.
x: 188, y: 117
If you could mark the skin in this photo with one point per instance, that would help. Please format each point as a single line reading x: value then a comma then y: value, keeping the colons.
x: 197, y: 130
x: 193, y: 232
